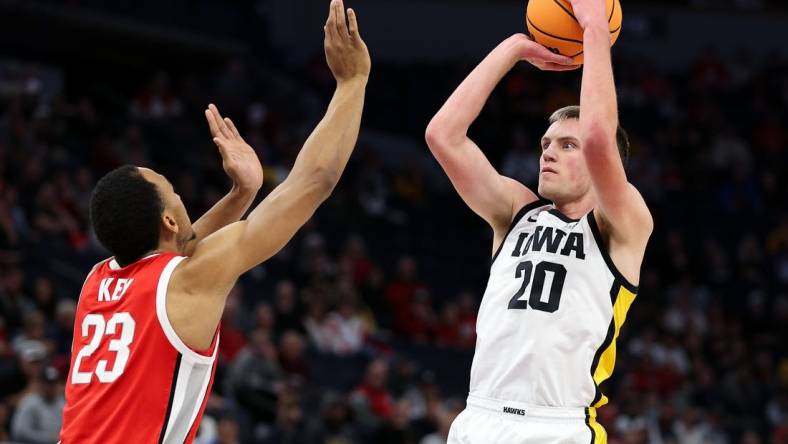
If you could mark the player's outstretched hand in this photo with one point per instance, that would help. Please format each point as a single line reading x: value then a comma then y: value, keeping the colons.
x: 239, y: 160
x: 541, y: 57
x: 590, y: 13
x: 346, y: 53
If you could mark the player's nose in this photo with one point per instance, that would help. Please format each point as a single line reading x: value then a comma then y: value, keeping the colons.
x: 548, y: 155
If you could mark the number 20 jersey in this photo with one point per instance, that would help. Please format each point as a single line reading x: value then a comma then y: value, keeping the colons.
x: 132, y: 380
x: 551, y: 313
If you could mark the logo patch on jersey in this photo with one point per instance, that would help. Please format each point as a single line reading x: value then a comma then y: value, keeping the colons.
x: 121, y: 287
x: 514, y: 411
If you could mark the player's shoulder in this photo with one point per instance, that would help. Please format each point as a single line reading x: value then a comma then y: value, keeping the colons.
x: 97, y: 269
x: 633, y: 222
x: 531, y: 210
x: 148, y: 267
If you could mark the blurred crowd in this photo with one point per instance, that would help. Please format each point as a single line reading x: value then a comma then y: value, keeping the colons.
x: 362, y: 328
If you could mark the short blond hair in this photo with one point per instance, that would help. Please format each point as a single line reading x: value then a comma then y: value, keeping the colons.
x: 573, y: 112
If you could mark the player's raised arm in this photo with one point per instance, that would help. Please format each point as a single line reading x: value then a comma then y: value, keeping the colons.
x: 490, y: 195
x: 242, y: 166
x: 204, y: 280
x: 621, y: 205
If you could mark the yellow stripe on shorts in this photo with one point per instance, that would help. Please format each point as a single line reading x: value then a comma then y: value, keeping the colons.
x: 598, y: 433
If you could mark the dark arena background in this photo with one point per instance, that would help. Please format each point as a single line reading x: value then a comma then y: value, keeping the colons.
x: 362, y: 329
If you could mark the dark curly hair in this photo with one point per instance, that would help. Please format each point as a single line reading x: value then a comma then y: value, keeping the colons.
x: 125, y: 210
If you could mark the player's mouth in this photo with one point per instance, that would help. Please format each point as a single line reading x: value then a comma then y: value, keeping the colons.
x: 548, y: 170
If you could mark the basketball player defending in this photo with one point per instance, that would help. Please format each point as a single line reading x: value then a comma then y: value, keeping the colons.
x: 145, y: 337
x: 564, y: 271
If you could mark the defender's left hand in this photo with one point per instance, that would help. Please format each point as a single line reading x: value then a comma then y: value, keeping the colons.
x: 239, y: 160
x: 590, y: 13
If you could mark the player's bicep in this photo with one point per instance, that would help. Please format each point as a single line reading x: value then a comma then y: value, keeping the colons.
x: 489, y: 194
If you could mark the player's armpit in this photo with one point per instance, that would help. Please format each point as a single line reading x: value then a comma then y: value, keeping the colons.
x: 626, y: 217
x: 200, y: 285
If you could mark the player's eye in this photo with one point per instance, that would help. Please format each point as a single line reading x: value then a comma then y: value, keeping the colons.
x: 545, y: 145
x: 569, y: 146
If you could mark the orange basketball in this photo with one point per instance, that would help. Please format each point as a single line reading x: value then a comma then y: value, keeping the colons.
x: 552, y: 24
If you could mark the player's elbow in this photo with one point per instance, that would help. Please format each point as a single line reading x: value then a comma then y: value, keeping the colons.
x: 322, y: 183
x: 439, y: 134
x: 648, y: 222
x: 434, y: 135
x: 316, y: 184
x: 596, y: 137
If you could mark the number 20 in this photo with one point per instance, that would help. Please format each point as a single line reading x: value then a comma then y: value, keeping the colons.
x: 524, y: 270
x: 120, y: 346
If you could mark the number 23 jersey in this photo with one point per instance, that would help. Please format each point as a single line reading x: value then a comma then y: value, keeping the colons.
x: 131, y: 378
x: 551, y: 313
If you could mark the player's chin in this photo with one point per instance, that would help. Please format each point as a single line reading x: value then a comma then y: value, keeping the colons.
x: 544, y: 190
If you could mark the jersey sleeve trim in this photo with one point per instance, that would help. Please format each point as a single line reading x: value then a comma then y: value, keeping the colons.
x: 606, y: 256
x: 90, y: 273
x: 539, y: 202
x: 164, y: 320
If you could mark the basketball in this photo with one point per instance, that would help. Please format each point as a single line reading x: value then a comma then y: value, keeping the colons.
x: 552, y: 24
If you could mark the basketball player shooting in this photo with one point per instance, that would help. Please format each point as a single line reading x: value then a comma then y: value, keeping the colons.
x: 564, y: 270
x: 146, y: 329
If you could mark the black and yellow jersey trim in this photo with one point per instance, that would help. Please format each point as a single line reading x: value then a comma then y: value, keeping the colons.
x: 622, y: 295
x: 600, y: 242
x: 605, y: 357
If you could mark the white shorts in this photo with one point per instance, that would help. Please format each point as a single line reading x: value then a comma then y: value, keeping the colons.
x: 488, y: 421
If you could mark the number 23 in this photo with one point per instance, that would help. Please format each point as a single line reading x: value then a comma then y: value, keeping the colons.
x: 120, y: 346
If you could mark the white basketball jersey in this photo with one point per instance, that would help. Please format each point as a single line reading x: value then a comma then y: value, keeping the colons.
x: 551, y: 313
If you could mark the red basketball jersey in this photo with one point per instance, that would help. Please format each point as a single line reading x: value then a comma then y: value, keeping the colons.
x: 132, y: 379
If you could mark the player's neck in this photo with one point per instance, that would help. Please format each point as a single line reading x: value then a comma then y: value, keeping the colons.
x: 576, y: 209
x: 166, y: 246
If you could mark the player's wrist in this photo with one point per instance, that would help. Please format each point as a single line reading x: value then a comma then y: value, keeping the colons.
x: 355, y: 82
x: 595, y: 29
x: 244, y: 190
x: 515, y: 48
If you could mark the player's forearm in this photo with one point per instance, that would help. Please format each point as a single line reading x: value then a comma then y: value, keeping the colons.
x: 328, y: 148
x: 229, y: 209
x: 599, y: 110
x: 320, y: 162
x: 452, y: 121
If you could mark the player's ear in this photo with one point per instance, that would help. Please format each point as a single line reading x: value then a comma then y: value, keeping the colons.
x: 169, y: 223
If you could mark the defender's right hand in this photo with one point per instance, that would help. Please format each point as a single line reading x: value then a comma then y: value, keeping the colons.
x: 539, y: 56
x: 346, y: 53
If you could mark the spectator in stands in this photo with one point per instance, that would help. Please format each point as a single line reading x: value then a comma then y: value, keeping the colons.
x: 38, y: 417
x: 290, y: 426
x: 292, y: 358
x: 255, y: 379
x: 335, y: 423
x: 372, y: 400
x: 286, y: 308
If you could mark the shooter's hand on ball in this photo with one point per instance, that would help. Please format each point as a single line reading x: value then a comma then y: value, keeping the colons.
x: 539, y: 56
x: 590, y: 13
x: 346, y: 53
